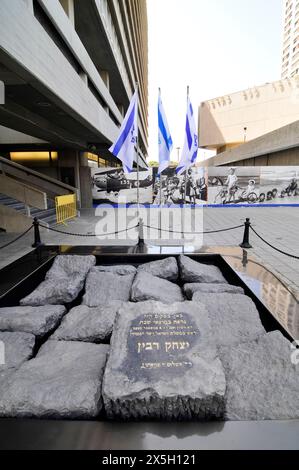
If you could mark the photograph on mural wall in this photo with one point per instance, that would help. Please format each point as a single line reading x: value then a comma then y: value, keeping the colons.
x: 189, y: 188
x: 233, y: 185
x: 279, y: 184
x: 114, y: 186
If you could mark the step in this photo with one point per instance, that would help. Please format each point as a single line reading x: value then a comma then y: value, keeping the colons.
x: 6, y: 199
x: 51, y: 220
x: 39, y: 213
x: 18, y: 206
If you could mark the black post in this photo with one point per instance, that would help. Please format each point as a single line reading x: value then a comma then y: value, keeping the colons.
x: 245, y: 243
x: 37, y: 240
x: 140, y: 233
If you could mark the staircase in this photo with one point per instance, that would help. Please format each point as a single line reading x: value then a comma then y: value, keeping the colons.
x: 25, y: 194
x: 46, y: 217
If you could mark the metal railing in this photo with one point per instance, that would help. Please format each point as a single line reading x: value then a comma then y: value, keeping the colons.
x: 65, y: 207
x: 47, y: 184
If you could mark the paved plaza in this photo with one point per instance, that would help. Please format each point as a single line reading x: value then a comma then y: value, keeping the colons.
x: 278, y: 225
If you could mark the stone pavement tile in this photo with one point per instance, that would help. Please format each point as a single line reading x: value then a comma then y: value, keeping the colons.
x: 63, y: 381
x: 101, y: 287
x: 148, y: 287
x: 18, y: 347
x: 36, y: 320
x: 262, y: 381
x: 90, y: 324
x: 63, y: 282
x: 234, y: 317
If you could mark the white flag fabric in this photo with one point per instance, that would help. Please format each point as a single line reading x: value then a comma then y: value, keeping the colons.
x: 125, y: 146
x: 189, y: 153
x: 164, y: 138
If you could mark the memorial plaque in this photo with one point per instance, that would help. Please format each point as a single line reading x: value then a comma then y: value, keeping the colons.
x: 160, y: 342
x: 163, y: 364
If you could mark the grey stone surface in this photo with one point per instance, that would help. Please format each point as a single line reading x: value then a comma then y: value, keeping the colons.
x: 17, y: 346
x: 234, y: 317
x: 121, y: 269
x: 193, y: 271
x: 101, y: 287
x: 262, y: 382
x: 36, y: 320
x: 91, y: 324
x: 191, y: 288
x: 4, y: 375
x: 148, y: 287
x: 63, y: 381
x: 63, y: 282
x: 165, y: 268
x: 161, y: 364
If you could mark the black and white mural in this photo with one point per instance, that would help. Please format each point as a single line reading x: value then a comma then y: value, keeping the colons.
x: 188, y: 188
x: 114, y: 186
x: 279, y: 185
x: 233, y: 185
x: 253, y: 185
x: 240, y: 185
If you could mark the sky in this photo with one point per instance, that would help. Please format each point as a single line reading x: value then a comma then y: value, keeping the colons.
x: 214, y: 46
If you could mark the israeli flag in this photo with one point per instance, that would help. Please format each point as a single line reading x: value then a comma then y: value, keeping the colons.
x: 190, y: 148
x: 164, y: 138
x: 125, y: 146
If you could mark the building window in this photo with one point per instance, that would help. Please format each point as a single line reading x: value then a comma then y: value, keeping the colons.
x: 34, y: 158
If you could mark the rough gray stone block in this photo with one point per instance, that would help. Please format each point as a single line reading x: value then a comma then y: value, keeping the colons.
x: 148, y: 287
x: 17, y: 346
x: 4, y: 375
x: 121, y: 269
x: 71, y: 265
x: 161, y: 364
x: 63, y: 282
x: 262, y: 382
x: 91, y: 324
x: 191, y: 288
x: 36, y: 320
x: 234, y: 317
x: 193, y: 271
x: 63, y: 381
x: 165, y: 268
x: 101, y: 287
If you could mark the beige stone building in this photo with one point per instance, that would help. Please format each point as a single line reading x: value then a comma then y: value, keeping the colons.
x: 230, y: 120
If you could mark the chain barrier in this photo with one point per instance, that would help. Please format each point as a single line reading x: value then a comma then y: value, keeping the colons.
x: 88, y: 234
x: 193, y: 233
x: 245, y: 244
x: 274, y: 247
x: 16, y: 239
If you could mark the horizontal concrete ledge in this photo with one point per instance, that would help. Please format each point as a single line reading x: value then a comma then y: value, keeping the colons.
x: 284, y: 138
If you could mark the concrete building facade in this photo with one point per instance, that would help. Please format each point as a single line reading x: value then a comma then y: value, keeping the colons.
x: 69, y: 69
x: 290, y: 53
x: 276, y: 148
x: 228, y: 121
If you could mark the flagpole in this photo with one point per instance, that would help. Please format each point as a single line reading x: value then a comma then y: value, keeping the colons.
x: 186, y: 168
x: 137, y: 156
x: 160, y: 191
x: 185, y: 188
x: 137, y: 181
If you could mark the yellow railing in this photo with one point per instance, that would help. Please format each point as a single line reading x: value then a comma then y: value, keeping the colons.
x: 65, y: 207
